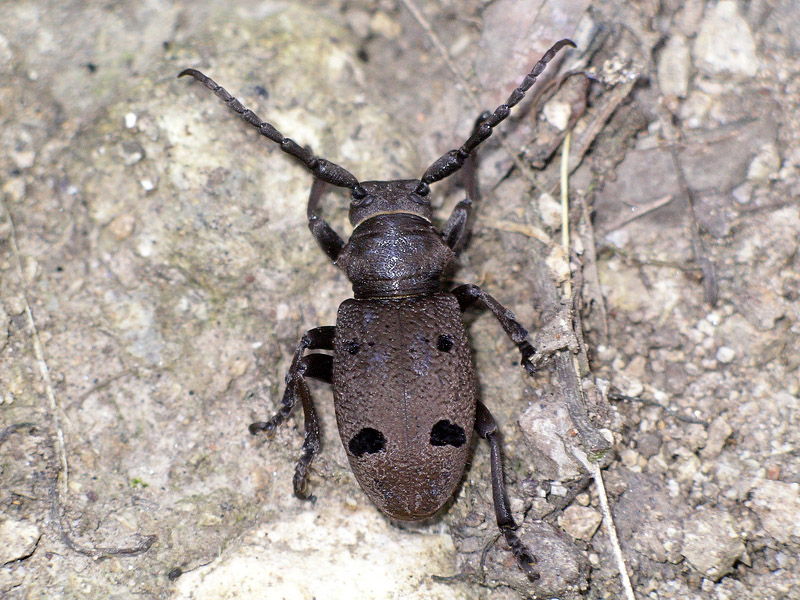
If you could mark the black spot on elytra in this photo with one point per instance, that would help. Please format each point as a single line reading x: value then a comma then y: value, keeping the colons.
x: 367, y: 441
x: 445, y: 433
x: 445, y: 343
x: 353, y: 347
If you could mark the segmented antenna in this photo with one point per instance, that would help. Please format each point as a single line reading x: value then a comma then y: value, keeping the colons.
x: 452, y: 161
x: 320, y: 168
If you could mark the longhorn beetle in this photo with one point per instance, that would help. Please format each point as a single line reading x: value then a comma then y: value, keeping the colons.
x: 403, y: 381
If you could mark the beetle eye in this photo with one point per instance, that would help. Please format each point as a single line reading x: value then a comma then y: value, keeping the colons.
x: 420, y: 199
x: 359, y: 202
x: 445, y: 433
x: 367, y: 441
x: 360, y: 197
x: 359, y: 193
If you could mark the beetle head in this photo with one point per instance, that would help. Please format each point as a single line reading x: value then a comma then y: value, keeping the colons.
x: 373, y: 198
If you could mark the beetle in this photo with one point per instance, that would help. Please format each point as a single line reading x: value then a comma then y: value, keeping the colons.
x: 403, y: 381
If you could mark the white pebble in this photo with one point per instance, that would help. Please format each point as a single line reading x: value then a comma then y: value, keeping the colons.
x: 725, y: 354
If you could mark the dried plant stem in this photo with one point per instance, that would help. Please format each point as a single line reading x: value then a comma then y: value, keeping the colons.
x: 608, y: 520
x: 591, y: 466
x: 565, y: 205
x: 59, y: 490
x: 54, y: 410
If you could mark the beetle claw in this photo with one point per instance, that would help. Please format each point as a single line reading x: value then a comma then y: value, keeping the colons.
x: 529, y: 366
x: 257, y: 427
x: 301, y: 492
x: 529, y: 357
x: 267, y: 427
x: 532, y: 574
x: 525, y: 559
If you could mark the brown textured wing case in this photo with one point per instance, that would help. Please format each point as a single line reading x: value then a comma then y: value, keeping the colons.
x: 395, y: 373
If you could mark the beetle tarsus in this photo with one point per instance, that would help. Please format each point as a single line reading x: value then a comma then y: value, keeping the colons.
x: 528, y: 357
x: 300, y: 486
x: 259, y: 426
x: 525, y: 559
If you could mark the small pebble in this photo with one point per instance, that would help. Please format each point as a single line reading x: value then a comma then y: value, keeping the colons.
x: 725, y: 354
x: 122, y: 226
x: 674, y: 67
x: 550, y: 209
x: 743, y: 193
x: 765, y: 164
x: 718, y: 433
x: 725, y: 42
x: 711, y: 543
x: 777, y: 504
x: 18, y: 539
x: 557, y: 114
x: 15, y: 188
x: 15, y: 305
x: 580, y: 522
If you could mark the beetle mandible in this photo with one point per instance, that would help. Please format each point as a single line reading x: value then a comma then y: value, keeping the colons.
x: 403, y: 381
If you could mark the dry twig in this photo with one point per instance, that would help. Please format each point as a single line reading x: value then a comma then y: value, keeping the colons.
x: 590, y: 465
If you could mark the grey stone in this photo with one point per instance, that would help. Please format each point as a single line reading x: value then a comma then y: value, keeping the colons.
x: 777, y: 504
x: 725, y: 42
x: 649, y: 522
x: 761, y: 305
x: 545, y: 426
x: 711, y: 543
x: 18, y: 539
x: 675, y: 67
x: 649, y: 444
x: 278, y: 559
x: 718, y: 433
x: 561, y: 565
x: 580, y: 522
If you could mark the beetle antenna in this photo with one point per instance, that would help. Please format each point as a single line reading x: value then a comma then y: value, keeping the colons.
x: 452, y: 161
x: 320, y: 168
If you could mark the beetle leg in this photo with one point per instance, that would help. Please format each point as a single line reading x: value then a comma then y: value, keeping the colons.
x: 328, y: 239
x: 455, y: 229
x: 457, y: 226
x: 318, y: 366
x: 486, y: 427
x: 469, y: 293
